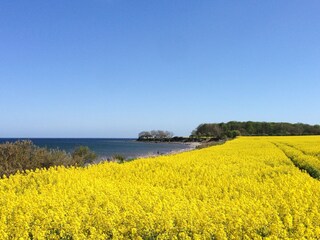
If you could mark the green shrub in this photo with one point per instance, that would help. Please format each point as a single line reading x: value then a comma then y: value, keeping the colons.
x: 84, y: 155
x: 233, y: 133
x: 23, y: 155
x: 118, y: 158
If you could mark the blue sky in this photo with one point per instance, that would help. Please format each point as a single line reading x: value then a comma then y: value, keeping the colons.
x: 112, y: 68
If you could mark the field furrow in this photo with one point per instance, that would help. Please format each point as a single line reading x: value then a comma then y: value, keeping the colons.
x: 303, y: 161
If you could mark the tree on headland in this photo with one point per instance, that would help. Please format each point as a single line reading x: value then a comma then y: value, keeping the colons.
x: 145, y: 135
x: 155, y: 134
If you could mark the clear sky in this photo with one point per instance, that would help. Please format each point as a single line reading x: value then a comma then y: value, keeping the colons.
x: 112, y: 68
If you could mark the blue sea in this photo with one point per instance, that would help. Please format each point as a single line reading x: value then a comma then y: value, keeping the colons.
x: 106, y: 147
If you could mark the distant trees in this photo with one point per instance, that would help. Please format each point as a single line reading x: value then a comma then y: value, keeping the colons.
x: 145, y: 135
x: 155, y: 134
x: 208, y: 130
x: 233, y: 129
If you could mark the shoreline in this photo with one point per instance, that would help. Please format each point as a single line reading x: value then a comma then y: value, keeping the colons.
x: 190, y: 146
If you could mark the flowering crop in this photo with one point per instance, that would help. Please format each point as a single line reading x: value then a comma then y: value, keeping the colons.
x: 303, y: 161
x: 246, y: 188
x: 309, y: 145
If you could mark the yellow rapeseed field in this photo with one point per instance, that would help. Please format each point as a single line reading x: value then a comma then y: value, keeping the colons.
x: 247, y: 188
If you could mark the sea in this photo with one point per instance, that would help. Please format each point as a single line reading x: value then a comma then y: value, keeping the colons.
x: 105, y: 148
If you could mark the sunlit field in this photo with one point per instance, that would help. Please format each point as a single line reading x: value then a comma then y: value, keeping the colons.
x: 247, y: 188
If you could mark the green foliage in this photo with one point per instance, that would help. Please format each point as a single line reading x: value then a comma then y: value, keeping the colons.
x: 233, y: 133
x: 23, y: 155
x: 84, y: 155
x: 233, y: 129
x: 118, y: 158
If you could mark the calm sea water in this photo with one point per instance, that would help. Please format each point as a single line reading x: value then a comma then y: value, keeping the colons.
x: 106, y: 148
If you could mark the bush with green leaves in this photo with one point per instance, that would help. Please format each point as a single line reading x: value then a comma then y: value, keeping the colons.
x: 118, y: 158
x: 84, y: 155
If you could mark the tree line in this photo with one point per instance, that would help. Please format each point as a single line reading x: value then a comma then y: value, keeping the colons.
x: 249, y: 128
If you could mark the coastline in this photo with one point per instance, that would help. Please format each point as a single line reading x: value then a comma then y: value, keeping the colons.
x: 190, y: 146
